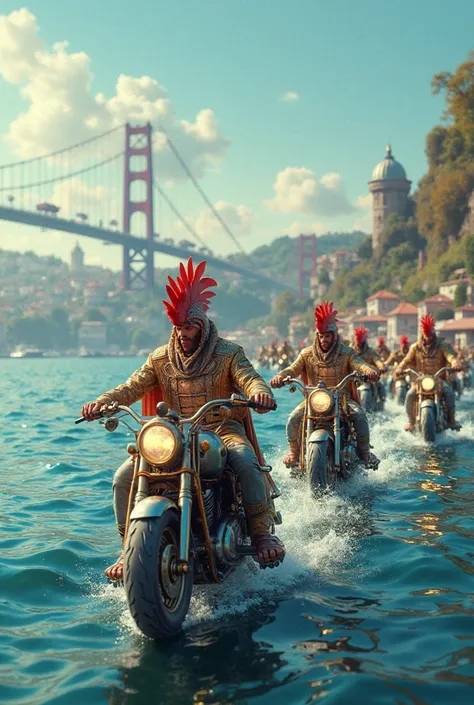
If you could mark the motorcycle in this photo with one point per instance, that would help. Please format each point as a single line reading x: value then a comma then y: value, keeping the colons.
x: 370, y: 397
x: 430, y: 412
x: 185, y: 522
x: 328, y: 441
x: 401, y: 387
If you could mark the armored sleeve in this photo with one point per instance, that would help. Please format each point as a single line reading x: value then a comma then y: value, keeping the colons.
x: 245, y: 377
x: 409, y: 360
x: 357, y: 364
x: 391, y: 359
x: 377, y: 360
x: 449, y: 353
x: 137, y: 385
x: 297, y: 368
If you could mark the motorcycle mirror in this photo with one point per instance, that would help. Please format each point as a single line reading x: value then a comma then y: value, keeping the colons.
x: 162, y: 409
x: 111, y: 424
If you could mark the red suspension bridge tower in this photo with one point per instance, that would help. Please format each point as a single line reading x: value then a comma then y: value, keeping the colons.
x: 307, y: 262
x: 138, y: 269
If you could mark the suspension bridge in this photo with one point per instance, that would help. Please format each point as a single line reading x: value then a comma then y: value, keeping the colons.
x: 77, y: 190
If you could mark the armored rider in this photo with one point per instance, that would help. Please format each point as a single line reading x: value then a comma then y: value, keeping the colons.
x: 328, y: 360
x: 428, y: 355
x: 369, y: 355
x: 382, y: 350
x: 197, y: 366
x: 396, y: 356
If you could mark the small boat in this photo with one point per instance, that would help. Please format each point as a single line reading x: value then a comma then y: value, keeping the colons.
x: 27, y: 352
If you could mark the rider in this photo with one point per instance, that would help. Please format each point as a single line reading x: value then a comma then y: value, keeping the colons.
x: 382, y: 351
x: 428, y: 355
x: 329, y: 361
x: 369, y: 355
x: 197, y: 366
x: 396, y: 356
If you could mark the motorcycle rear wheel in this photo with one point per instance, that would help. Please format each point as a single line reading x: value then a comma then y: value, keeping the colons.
x: 320, y: 467
x: 158, y: 596
x: 428, y: 425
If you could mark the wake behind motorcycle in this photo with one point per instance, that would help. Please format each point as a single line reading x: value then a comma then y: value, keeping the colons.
x: 185, y: 522
x: 430, y: 412
x: 328, y: 441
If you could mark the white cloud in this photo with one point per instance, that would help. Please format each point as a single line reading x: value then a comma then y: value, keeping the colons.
x: 298, y: 190
x: 62, y: 109
x: 364, y: 202
x: 239, y: 219
x: 290, y: 97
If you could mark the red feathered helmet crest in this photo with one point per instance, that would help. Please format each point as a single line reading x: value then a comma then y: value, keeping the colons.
x: 188, y: 294
x: 381, y: 340
x: 427, y: 324
x: 360, y: 335
x: 325, y: 317
x: 404, y: 341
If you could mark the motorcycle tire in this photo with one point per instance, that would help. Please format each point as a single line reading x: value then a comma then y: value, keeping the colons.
x: 401, y: 396
x: 366, y: 400
x: 428, y: 425
x: 320, y: 467
x: 158, y: 599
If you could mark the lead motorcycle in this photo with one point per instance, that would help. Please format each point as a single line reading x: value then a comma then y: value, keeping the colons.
x: 328, y: 451
x: 430, y: 411
x: 185, y: 521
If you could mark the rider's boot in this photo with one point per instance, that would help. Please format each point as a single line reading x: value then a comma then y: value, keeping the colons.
x: 363, y: 451
x: 292, y: 457
x: 115, y: 571
x: 270, y: 550
x: 451, y: 421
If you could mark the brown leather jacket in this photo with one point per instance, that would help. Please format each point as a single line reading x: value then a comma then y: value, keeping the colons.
x: 443, y: 355
x: 228, y: 371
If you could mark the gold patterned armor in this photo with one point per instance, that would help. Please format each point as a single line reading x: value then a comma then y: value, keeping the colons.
x: 420, y: 360
x: 228, y: 371
x: 395, y: 358
x: 307, y: 364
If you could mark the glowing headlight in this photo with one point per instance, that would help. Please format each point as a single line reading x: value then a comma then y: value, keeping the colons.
x: 321, y: 401
x: 159, y: 443
x: 428, y: 383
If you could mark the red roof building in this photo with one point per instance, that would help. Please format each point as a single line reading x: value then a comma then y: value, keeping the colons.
x: 459, y: 331
x: 403, y: 320
x: 382, y: 302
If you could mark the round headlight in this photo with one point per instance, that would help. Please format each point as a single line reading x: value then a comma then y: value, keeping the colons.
x: 159, y: 443
x: 428, y: 383
x: 321, y: 401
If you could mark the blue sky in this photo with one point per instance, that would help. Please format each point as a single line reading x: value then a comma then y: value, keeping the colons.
x: 361, y: 73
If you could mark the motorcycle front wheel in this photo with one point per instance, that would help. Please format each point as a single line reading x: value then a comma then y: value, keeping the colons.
x: 400, y: 395
x: 365, y: 398
x: 428, y: 425
x: 158, y: 595
x: 320, y: 467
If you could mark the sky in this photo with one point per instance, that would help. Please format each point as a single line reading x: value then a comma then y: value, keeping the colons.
x: 280, y: 109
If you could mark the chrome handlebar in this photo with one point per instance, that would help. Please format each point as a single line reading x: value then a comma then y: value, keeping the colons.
x: 305, y: 389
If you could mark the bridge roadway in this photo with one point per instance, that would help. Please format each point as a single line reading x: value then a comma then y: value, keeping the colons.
x: 51, y: 222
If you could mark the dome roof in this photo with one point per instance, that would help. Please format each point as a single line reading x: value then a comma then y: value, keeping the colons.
x: 388, y: 168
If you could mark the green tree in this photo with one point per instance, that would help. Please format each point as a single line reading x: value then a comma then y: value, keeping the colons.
x: 324, y: 277
x: 460, y: 295
x: 445, y: 314
x: 143, y: 338
x: 469, y: 253
x: 60, y: 328
x: 95, y: 314
x: 365, y: 249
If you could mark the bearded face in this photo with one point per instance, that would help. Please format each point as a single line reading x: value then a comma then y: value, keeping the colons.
x: 325, y: 341
x: 188, y: 336
x: 428, y: 339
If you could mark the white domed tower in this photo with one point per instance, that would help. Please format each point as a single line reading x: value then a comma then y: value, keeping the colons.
x: 389, y: 187
x: 77, y: 259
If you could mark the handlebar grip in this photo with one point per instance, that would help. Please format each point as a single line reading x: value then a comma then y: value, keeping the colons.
x: 260, y: 407
x: 80, y: 419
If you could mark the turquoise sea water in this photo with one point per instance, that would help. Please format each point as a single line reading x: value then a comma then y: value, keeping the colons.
x: 374, y: 603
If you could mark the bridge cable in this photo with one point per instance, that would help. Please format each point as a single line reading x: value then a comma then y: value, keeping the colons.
x: 201, y: 191
x: 183, y: 220
x: 61, y: 151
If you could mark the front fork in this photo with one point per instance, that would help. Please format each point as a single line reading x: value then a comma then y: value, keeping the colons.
x: 337, y: 434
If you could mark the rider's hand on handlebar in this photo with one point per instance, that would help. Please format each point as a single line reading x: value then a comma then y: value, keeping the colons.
x: 91, y: 411
x: 265, y: 400
x: 277, y: 381
x: 457, y: 367
x: 372, y: 376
